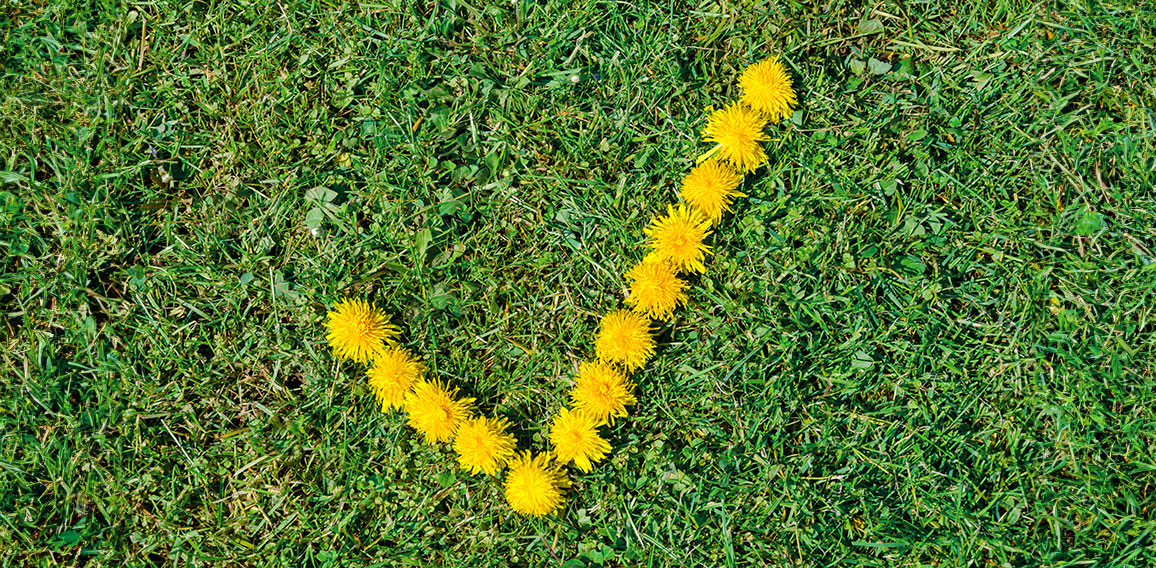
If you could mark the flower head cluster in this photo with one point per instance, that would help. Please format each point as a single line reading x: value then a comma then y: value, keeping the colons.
x: 435, y: 411
x: 393, y: 372
x: 535, y: 486
x: 767, y: 89
x: 624, y: 337
x: 737, y: 132
x: 677, y: 238
x: 655, y: 289
x: 358, y: 330
x: 710, y: 187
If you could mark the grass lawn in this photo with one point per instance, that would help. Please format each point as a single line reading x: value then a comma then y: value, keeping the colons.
x: 924, y: 339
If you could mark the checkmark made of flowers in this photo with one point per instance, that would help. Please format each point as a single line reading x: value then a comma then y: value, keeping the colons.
x: 536, y: 483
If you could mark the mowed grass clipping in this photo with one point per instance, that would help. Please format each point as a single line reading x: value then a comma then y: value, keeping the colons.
x: 924, y: 339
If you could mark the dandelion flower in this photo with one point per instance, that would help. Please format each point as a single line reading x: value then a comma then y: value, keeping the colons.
x: 767, y: 88
x: 483, y: 444
x: 393, y: 372
x: 678, y: 237
x: 737, y: 131
x: 358, y: 330
x: 655, y: 290
x: 435, y: 411
x: 710, y: 187
x: 602, y: 391
x: 574, y: 435
x: 624, y: 337
x: 534, y: 486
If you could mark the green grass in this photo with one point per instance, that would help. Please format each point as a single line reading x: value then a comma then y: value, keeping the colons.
x: 925, y: 339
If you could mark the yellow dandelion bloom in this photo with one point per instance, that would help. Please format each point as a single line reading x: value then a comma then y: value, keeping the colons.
x: 767, y: 88
x: 602, y: 391
x: 435, y: 411
x: 737, y: 131
x: 358, y: 330
x: 393, y: 372
x: 534, y: 486
x: 655, y: 289
x: 484, y: 444
x: 677, y: 238
x: 575, y: 437
x: 624, y: 337
x: 710, y: 188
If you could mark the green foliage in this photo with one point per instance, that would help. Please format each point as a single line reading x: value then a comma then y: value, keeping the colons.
x: 926, y: 338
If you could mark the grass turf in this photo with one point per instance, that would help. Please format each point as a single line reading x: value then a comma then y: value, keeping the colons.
x: 924, y: 340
